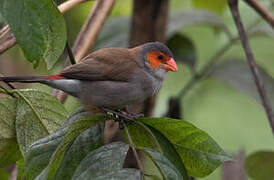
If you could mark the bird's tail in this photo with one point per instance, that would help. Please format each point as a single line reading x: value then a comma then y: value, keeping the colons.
x: 31, y: 79
x: 23, y: 79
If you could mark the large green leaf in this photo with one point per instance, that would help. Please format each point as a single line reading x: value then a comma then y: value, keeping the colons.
x: 103, y: 162
x: 260, y: 165
x: 170, y: 152
x: 142, y: 136
x: 37, y: 115
x: 238, y: 75
x: 9, y: 150
x: 199, y: 152
x: 39, y: 28
x: 41, y: 151
x: 217, y: 6
x: 167, y: 169
x: 147, y: 137
x: 75, y: 129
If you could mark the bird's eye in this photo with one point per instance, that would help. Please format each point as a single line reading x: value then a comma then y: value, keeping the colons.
x: 160, y: 57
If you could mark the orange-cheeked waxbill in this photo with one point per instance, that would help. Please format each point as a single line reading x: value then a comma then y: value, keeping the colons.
x: 112, y: 77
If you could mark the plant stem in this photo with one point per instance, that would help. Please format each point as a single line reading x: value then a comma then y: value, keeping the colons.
x: 233, y: 5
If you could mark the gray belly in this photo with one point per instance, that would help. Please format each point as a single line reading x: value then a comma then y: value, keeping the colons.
x: 113, y: 94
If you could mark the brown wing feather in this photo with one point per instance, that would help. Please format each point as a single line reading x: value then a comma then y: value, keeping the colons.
x: 108, y: 64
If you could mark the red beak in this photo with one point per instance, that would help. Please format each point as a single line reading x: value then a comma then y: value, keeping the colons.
x: 171, y: 65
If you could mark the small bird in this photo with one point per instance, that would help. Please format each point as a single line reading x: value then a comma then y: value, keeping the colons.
x: 112, y: 77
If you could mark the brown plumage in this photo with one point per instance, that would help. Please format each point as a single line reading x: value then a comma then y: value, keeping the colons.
x: 112, y: 77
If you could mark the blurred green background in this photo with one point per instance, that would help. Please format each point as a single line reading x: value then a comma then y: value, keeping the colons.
x: 222, y: 104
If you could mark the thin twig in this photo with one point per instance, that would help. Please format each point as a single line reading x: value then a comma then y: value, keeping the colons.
x: 139, y: 163
x: 262, y: 11
x: 233, y: 5
x: 64, y: 7
x: 11, y: 41
x: 70, y: 54
x: 89, y: 32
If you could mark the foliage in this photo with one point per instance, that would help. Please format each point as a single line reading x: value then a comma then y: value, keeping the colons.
x: 36, y: 132
x: 39, y: 29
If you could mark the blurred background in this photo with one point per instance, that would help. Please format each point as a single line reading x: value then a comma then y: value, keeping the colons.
x: 213, y: 88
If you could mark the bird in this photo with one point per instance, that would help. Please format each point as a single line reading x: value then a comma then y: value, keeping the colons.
x: 111, y: 78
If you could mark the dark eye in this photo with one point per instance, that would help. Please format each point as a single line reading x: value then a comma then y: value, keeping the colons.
x: 160, y: 57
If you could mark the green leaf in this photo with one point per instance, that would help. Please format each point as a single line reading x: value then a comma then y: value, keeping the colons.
x: 142, y: 136
x: 260, y: 165
x: 170, y: 152
x: 4, y: 175
x: 167, y: 169
x: 39, y: 28
x: 237, y: 73
x: 37, y: 115
x: 20, y: 169
x: 9, y: 149
x: 217, y: 6
x: 74, y: 131
x: 183, y: 49
x: 102, y: 162
x: 200, y: 154
x: 122, y: 174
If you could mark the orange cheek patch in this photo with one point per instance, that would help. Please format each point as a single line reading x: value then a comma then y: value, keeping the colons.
x: 153, y: 60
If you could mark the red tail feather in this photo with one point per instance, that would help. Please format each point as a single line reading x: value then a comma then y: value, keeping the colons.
x: 54, y: 77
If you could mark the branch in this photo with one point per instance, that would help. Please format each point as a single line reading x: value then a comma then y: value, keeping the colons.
x: 89, y: 32
x: 262, y: 11
x: 10, y: 41
x: 69, y: 5
x: 233, y: 5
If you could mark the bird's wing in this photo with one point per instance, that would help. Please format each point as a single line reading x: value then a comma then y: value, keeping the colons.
x: 110, y: 64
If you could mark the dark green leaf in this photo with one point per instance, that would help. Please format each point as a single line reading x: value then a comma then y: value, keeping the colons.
x: 238, y: 75
x: 170, y: 152
x: 9, y: 149
x: 37, y: 115
x: 260, y: 165
x: 122, y: 174
x: 167, y: 169
x: 75, y: 129
x: 217, y: 6
x: 39, y: 28
x: 142, y: 136
x: 20, y: 165
x: 39, y: 155
x: 183, y: 49
x: 4, y: 175
x: 102, y: 162
x: 199, y: 152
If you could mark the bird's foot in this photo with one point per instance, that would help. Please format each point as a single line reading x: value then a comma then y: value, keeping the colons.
x: 120, y: 116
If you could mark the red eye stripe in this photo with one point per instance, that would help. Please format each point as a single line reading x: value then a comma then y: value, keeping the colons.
x: 156, y: 58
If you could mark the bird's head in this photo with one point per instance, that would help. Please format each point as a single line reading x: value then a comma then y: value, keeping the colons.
x: 157, y: 58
